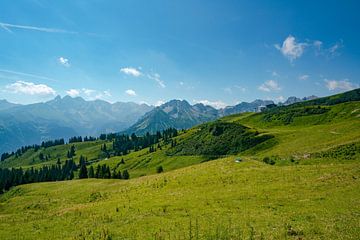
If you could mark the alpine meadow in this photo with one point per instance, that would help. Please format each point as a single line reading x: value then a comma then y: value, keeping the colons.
x: 168, y: 120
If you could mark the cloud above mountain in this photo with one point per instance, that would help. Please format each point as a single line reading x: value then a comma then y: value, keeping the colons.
x: 30, y: 88
x: 269, y: 86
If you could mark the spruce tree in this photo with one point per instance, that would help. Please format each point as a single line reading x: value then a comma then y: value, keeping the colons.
x: 83, y: 172
x: 125, y: 174
x: 91, y: 172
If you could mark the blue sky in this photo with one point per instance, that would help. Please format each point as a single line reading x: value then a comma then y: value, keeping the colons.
x: 215, y: 52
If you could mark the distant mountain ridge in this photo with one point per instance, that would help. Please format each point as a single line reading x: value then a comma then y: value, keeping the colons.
x: 63, y: 118
x: 181, y: 115
x: 293, y: 99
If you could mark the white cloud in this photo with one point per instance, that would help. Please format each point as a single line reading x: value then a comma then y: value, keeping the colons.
x: 30, y: 88
x: 88, y: 92
x: 274, y: 74
x: 280, y: 99
x: 130, y: 92
x: 214, y: 104
x: 64, y: 61
x: 291, y: 49
x: 107, y: 93
x: 131, y: 71
x: 9, y: 26
x: 318, y: 44
x: 73, y: 92
x: 269, y: 86
x: 303, y: 77
x: 159, y: 103
x: 156, y: 77
x: 346, y: 85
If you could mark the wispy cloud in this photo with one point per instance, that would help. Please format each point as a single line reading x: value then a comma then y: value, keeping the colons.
x: 64, y: 61
x: 30, y: 88
x: 304, y: 77
x: 27, y: 75
x: 156, y: 78
x: 345, y: 85
x: 269, y: 86
x: 131, y: 71
x: 9, y: 26
x: 130, y: 92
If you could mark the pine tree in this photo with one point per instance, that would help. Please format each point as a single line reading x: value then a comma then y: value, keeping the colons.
x: 83, y: 172
x: 91, y: 172
x: 125, y: 174
x: 159, y: 169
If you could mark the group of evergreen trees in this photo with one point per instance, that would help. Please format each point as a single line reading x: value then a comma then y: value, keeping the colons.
x: 123, y: 144
x: 101, y: 171
x: 36, y: 147
x: 13, y: 177
x: 57, y: 172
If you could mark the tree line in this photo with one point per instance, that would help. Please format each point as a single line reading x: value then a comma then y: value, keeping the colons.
x: 123, y: 144
x: 57, y: 172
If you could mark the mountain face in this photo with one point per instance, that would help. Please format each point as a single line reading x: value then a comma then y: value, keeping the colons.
x: 245, y: 107
x: 176, y: 114
x: 181, y: 115
x: 62, y: 118
x: 6, y: 105
x: 292, y: 100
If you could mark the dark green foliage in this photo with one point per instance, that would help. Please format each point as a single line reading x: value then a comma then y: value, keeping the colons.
x: 83, y: 172
x: 287, y: 114
x: 75, y: 139
x: 347, y: 152
x: 269, y: 160
x: 89, y: 139
x: 91, y: 172
x: 218, y: 138
x: 123, y: 144
x: 52, y: 143
x: 71, y: 153
x: 159, y: 169
x: 125, y: 174
x: 350, y: 96
x: 14, y: 177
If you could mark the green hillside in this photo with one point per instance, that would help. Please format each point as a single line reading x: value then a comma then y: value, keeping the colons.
x: 296, y: 176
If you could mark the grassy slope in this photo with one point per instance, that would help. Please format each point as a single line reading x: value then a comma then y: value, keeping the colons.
x: 314, y: 201
x: 310, y: 201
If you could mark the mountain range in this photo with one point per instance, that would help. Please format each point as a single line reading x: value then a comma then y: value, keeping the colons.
x: 63, y: 118
x: 66, y: 117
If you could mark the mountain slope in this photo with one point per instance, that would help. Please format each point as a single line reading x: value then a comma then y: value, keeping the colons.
x: 176, y: 114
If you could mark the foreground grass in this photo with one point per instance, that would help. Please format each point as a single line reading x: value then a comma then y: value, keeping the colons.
x: 214, y: 200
